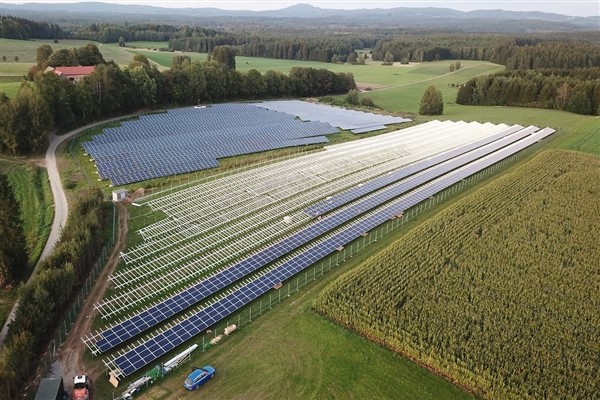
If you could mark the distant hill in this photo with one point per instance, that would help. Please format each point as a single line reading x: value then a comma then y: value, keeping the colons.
x: 306, y: 15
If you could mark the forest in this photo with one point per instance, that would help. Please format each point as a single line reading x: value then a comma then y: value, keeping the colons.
x: 494, y: 292
x: 575, y: 90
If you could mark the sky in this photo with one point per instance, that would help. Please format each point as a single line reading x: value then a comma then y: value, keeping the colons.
x: 583, y: 8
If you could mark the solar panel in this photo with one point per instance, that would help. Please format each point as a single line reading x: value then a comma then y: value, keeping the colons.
x: 123, y: 331
x: 140, y: 355
x: 191, y: 139
x: 338, y: 200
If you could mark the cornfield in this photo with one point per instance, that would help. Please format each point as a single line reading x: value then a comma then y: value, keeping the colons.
x: 500, y: 291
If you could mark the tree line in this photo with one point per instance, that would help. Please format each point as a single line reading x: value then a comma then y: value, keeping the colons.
x: 43, y: 301
x: 570, y: 51
x: 23, y: 29
x: 574, y: 90
x: 27, y: 118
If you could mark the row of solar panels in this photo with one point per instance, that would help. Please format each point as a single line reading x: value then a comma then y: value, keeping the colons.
x: 129, y: 328
x: 140, y: 355
x: 179, y: 302
x: 133, y: 166
x: 340, y: 117
x: 143, y: 149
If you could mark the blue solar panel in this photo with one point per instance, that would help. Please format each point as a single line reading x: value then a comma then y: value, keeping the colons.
x: 191, y: 139
x: 157, y: 346
x: 116, y: 335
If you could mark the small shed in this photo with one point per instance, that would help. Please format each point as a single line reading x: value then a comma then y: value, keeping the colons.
x: 120, y: 194
x: 50, y: 389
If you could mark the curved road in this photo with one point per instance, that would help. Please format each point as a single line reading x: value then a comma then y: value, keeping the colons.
x: 61, y: 208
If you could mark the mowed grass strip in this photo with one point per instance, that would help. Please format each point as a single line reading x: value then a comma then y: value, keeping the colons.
x: 500, y: 291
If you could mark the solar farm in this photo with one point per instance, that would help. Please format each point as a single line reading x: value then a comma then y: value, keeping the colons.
x: 224, y: 243
x: 191, y: 139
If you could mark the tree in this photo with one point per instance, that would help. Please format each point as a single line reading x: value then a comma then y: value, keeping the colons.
x: 431, y: 102
x: 16, y: 58
x: 89, y: 55
x: 121, y: 41
x: 3, y: 58
x: 367, y: 102
x: 352, y: 57
x: 41, y: 56
x: 13, y: 255
x: 388, y: 59
x: 224, y: 55
x: 254, y: 84
x: 457, y: 65
x: 404, y: 60
x: 451, y: 67
x: 63, y: 58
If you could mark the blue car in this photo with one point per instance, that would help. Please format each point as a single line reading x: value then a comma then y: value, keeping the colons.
x: 199, y: 377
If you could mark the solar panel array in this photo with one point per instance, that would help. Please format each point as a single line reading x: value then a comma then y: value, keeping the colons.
x: 356, y: 121
x: 156, y: 314
x: 140, y: 355
x: 244, y: 214
x: 190, y: 139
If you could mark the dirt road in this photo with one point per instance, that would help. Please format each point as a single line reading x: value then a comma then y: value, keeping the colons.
x: 70, y: 357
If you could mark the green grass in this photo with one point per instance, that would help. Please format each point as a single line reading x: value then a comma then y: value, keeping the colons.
x: 32, y: 191
x: 26, y: 49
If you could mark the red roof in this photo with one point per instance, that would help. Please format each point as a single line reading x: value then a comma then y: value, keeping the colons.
x: 74, y: 71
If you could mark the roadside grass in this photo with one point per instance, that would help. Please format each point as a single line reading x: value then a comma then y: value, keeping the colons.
x: 32, y: 191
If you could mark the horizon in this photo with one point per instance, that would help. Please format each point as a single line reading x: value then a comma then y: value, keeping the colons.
x: 579, y: 8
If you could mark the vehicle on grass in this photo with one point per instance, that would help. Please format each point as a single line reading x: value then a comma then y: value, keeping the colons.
x: 81, y: 387
x: 199, y: 377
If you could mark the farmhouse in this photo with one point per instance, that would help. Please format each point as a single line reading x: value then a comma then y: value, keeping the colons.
x: 74, y: 74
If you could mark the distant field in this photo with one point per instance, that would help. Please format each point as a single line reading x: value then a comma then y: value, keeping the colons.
x: 498, y: 291
x: 25, y: 49
x: 146, y: 45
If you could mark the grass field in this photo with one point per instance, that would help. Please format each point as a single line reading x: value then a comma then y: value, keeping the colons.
x: 482, y: 294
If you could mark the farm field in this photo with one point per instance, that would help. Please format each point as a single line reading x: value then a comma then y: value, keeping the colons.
x: 498, y: 292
